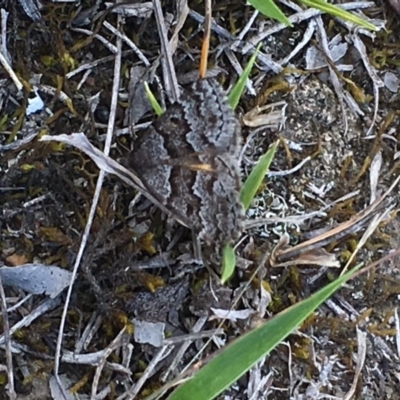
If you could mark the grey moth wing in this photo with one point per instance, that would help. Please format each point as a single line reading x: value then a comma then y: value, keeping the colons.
x: 188, y: 161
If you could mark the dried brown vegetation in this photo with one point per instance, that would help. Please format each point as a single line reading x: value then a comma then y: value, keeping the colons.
x: 137, y: 264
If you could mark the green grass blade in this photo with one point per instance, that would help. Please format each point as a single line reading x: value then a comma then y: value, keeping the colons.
x: 237, y: 90
x: 238, y: 357
x: 247, y: 194
x: 228, y: 263
x: 153, y: 101
x: 228, y: 255
x: 256, y: 177
x: 338, y: 12
x: 270, y: 10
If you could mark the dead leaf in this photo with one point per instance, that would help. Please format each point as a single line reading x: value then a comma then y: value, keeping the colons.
x: 16, y: 259
x: 36, y: 278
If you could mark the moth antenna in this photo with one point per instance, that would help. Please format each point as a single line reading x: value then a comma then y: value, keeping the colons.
x: 206, y: 41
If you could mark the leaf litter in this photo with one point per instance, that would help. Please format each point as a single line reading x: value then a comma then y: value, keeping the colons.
x: 46, y: 192
x: 36, y: 278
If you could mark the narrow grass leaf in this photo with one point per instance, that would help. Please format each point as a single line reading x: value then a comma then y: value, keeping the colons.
x: 228, y: 263
x: 270, y: 10
x: 153, y: 101
x: 338, y: 12
x: 238, y: 357
x: 256, y: 177
x: 228, y: 255
x: 237, y: 90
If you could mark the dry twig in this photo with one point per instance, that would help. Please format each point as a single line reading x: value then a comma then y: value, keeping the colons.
x: 7, y: 340
x: 110, y: 129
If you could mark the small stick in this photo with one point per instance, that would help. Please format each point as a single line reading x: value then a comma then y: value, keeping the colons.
x: 10, y: 71
x: 92, y: 212
x: 7, y: 340
x: 206, y: 42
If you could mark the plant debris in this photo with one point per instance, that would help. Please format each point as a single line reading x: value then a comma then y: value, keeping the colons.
x: 141, y: 303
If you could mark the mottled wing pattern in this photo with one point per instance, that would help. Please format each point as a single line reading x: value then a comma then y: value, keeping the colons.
x: 188, y: 162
